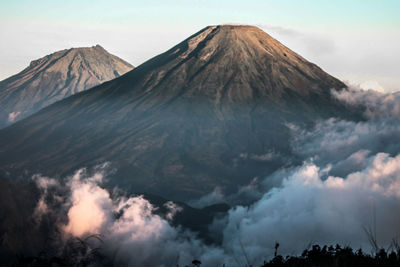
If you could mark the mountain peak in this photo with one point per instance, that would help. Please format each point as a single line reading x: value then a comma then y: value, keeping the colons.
x: 54, y: 77
x: 242, y: 39
x: 235, y: 27
x: 98, y: 46
x: 232, y: 63
x: 240, y: 28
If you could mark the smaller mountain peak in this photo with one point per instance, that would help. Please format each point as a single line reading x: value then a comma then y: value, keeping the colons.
x: 99, y: 47
x: 96, y: 47
x: 56, y: 76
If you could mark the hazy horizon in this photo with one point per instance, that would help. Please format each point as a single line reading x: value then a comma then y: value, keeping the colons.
x: 328, y: 34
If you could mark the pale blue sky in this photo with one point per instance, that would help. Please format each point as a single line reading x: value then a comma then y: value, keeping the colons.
x: 307, y: 13
x: 354, y: 40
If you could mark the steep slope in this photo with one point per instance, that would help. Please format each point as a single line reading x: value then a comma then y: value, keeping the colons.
x: 55, y: 77
x: 211, y: 111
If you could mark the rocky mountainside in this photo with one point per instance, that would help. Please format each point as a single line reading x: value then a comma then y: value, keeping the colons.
x: 211, y: 111
x: 54, y: 77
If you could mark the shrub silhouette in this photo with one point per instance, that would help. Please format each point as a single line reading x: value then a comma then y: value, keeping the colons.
x: 75, y: 252
x: 336, y: 257
x: 78, y: 252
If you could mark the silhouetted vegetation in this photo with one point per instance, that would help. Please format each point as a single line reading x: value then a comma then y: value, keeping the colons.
x: 79, y: 253
x: 76, y: 252
x: 336, y: 256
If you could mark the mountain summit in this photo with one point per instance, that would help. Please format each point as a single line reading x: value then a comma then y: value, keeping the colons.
x: 231, y: 64
x: 55, y: 77
x: 238, y: 63
x: 211, y: 111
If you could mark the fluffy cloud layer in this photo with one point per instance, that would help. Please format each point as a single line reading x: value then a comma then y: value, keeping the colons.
x: 131, y: 233
x: 349, y: 179
x: 375, y: 104
x: 333, y: 140
x: 307, y: 209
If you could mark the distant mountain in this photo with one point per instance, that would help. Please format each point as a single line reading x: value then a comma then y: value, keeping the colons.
x: 54, y: 77
x: 211, y: 111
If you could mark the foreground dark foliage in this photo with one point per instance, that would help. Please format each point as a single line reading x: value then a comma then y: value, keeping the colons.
x: 79, y: 254
x: 76, y: 252
x: 336, y: 257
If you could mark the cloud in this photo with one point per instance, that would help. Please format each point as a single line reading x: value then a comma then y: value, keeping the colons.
x: 131, y: 233
x: 307, y: 208
x: 349, y: 178
x: 244, y: 194
x: 216, y: 196
x: 260, y: 157
x: 334, y: 140
x: 372, y: 85
x: 173, y: 209
x: 44, y: 184
x: 13, y: 116
x: 375, y: 104
x: 91, y: 206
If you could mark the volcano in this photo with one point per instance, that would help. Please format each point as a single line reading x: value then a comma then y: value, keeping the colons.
x: 54, y: 77
x: 211, y: 111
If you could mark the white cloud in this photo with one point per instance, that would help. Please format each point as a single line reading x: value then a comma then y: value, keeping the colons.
x: 372, y: 85
x: 375, y: 104
x: 307, y: 208
x: 132, y: 234
x: 13, y: 116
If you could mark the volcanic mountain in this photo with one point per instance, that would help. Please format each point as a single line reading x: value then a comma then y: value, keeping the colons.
x: 211, y: 111
x: 55, y: 77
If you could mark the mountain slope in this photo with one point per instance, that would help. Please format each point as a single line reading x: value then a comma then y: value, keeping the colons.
x: 55, y: 77
x: 211, y: 111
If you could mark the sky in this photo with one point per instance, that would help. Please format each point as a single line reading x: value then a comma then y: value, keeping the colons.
x: 356, y: 41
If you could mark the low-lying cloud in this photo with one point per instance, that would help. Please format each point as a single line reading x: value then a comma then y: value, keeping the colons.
x: 13, y: 116
x: 375, y: 104
x: 309, y: 209
x: 131, y: 233
x: 334, y: 140
x: 349, y: 180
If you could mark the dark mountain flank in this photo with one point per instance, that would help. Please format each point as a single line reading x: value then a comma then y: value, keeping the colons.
x: 55, y: 77
x: 211, y: 111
